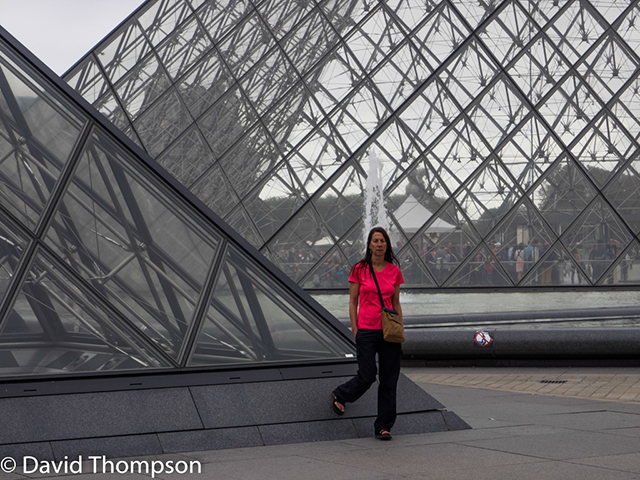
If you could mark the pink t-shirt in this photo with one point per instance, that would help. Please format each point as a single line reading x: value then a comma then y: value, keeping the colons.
x: 369, y: 307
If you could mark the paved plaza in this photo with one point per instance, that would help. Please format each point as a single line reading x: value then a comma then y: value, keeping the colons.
x: 527, y: 423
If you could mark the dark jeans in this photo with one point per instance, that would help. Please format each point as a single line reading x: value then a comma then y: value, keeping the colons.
x: 368, y: 343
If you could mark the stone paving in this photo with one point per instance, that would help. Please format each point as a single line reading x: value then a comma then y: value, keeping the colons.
x: 617, y: 385
x: 521, y: 429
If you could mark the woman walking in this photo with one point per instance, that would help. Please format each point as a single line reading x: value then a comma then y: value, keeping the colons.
x: 365, y: 316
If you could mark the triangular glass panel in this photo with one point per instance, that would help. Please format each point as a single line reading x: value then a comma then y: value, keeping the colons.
x: 252, y: 320
x: 125, y: 49
x: 293, y: 118
x: 215, y: 190
x: 188, y: 158
x: 241, y: 222
x: 608, y: 68
x: 284, y: 16
x: 576, y: 22
x: 556, y: 267
x: 447, y: 228
x: 142, y: 85
x: 543, y: 12
x: 538, y: 70
x: 396, y: 79
x: 342, y: 203
x: 12, y: 247
x: 374, y: 38
x: 628, y: 27
x: 406, y: 12
x: 249, y: 42
x: 332, y: 271
x: 508, y: 32
x: 205, y: 83
x: 488, y: 196
x: 469, y: 72
x: 360, y: 114
x: 395, y: 150
x: 562, y: 195
x: 56, y: 326
x: 306, y: 234
x: 481, y: 269
x: 109, y: 106
x: 430, y: 113
x: 498, y: 111
x: 415, y: 198
x: 624, y: 109
x: 352, y: 245
x: 626, y: 269
x: 415, y: 273
x: 335, y: 77
x: 531, y: 149
x: 250, y: 159
x: 474, y: 12
x: 343, y: 16
x: 603, y: 149
x: 156, y: 136
x: 610, y: 11
x: 318, y: 157
x: 622, y: 192
x: 160, y: 19
x: 457, y: 155
x: 269, y: 80
x: 184, y: 47
x: 518, y: 239
x: 594, y: 234
x: 218, y: 17
x: 88, y: 80
x: 224, y: 122
x: 275, y: 201
x: 570, y: 108
x: 138, y: 246
x: 38, y: 131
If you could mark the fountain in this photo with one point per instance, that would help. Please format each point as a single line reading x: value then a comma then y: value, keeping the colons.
x: 375, y: 213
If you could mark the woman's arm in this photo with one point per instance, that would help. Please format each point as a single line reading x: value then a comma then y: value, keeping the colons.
x: 395, y: 301
x: 354, y: 293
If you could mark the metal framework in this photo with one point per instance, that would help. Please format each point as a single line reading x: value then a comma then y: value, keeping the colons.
x: 500, y: 127
x: 106, y: 266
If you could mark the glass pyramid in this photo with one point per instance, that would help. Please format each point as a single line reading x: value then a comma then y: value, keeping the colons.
x: 106, y: 266
x: 497, y: 126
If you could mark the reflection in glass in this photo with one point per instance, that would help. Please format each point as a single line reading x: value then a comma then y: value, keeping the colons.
x: 37, y: 134
x: 57, y: 327
x: 251, y: 320
x: 136, y: 245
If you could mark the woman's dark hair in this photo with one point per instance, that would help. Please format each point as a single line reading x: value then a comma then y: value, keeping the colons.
x: 389, y: 256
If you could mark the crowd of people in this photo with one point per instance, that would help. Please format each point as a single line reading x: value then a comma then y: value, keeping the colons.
x: 589, y: 260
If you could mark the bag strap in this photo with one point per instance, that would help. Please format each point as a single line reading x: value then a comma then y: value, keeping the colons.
x: 377, y: 286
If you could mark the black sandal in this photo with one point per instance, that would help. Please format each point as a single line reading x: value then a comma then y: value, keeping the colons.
x: 334, y: 407
x: 383, y: 435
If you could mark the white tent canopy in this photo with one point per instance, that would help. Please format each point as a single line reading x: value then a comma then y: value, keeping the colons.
x: 411, y: 215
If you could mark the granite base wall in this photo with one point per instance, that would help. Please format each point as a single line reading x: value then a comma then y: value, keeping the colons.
x: 204, y: 417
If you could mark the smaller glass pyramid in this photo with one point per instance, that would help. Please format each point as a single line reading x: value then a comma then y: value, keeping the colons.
x: 108, y: 267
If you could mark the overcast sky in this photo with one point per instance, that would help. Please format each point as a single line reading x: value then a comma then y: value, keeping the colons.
x: 60, y: 32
